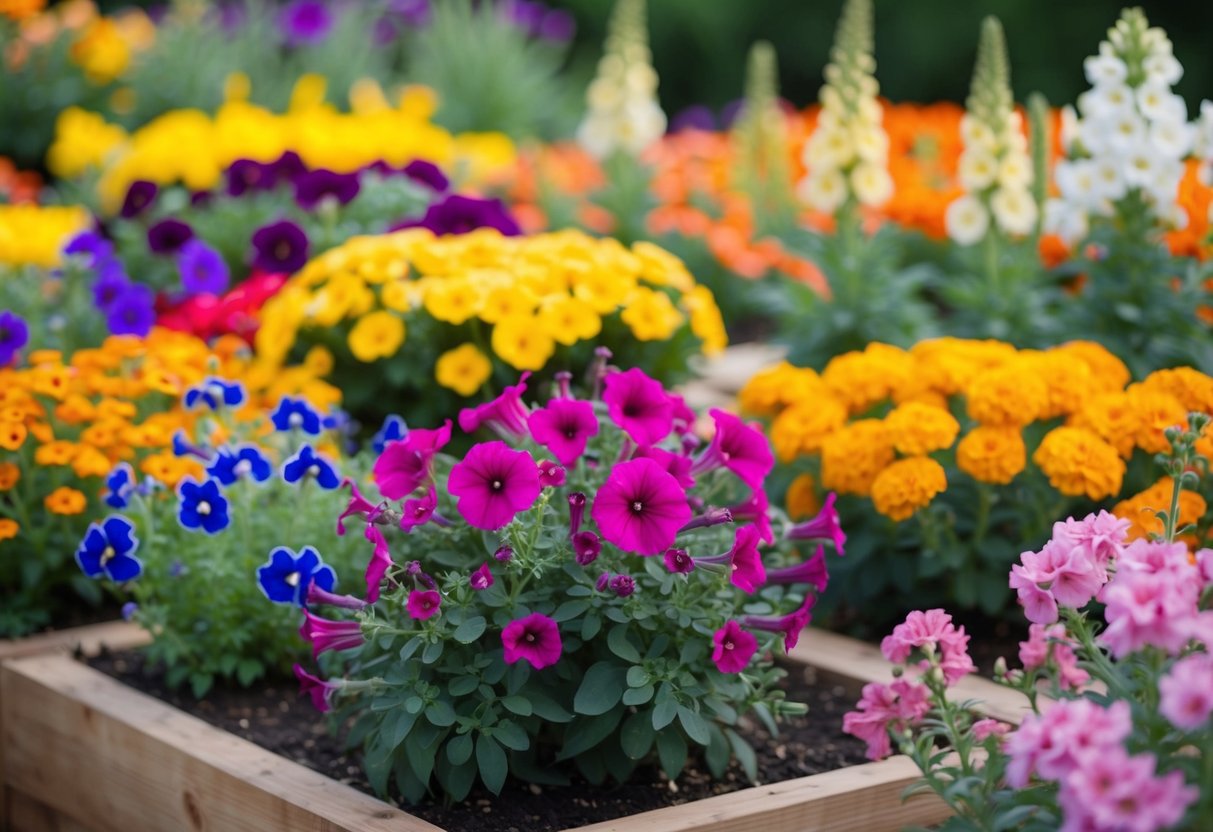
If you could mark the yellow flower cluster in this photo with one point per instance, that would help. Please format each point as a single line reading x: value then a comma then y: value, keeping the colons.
x: 870, y: 411
x: 1141, y: 509
x: 193, y: 147
x: 34, y: 235
x: 105, y: 47
x: 75, y: 419
x: 534, y: 292
x: 101, y: 46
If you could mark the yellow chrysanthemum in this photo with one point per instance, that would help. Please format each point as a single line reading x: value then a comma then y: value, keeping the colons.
x: 801, y: 500
x: 453, y: 300
x: 906, y: 486
x: 8, y: 529
x: 464, y: 369
x: 569, y: 319
x: 992, y: 454
x: 651, y: 315
x: 1155, y: 411
x: 918, y: 428
x: 377, y: 335
x: 65, y: 500
x: 803, y: 427
x: 1008, y: 395
x: 1078, y: 462
x: 853, y: 456
x: 1141, y: 509
x: 522, y: 343
x: 35, y: 235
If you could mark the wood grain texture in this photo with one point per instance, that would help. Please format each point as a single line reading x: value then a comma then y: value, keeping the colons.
x: 117, y: 635
x: 28, y: 815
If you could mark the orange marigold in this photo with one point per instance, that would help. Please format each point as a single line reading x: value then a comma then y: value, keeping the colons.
x: 65, y: 500
x: 1114, y: 418
x: 1107, y: 371
x: 992, y: 454
x: 1192, y: 388
x: 852, y: 457
x: 1141, y: 509
x: 10, y: 475
x: 803, y: 427
x: 918, y: 428
x: 1156, y: 411
x: 907, y: 485
x: 774, y: 388
x: 1077, y: 462
x: 8, y: 529
x: 12, y: 435
x: 1007, y: 395
x: 801, y: 499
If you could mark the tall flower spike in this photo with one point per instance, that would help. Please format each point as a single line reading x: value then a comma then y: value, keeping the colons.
x: 760, y: 139
x: 623, y: 115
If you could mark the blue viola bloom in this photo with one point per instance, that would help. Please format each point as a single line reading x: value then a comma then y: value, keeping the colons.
x: 295, y: 413
x: 91, y: 244
x: 108, y: 549
x: 120, y: 484
x: 285, y: 577
x: 393, y: 429
x: 307, y: 463
x: 215, y: 393
x: 231, y: 464
x: 202, y: 506
x: 337, y: 419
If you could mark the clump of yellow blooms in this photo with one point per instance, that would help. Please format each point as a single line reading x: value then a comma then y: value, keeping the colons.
x: 34, y: 235
x: 519, y: 297
x: 103, y: 50
x: 871, y: 412
x: 194, y: 148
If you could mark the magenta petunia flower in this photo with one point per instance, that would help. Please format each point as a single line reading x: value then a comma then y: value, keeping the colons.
x: 325, y: 634
x: 640, y: 507
x: 423, y: 604
x: 318, y: 690
x: 825, y: 526
x: 740, y: 448
x: 551, y: 475
x: 493, y: 483
x: 564, y: 427
x: 734, y: 648
x: 406, y: 464
x: 756, y: 510
x: 358, y: 506
x: 744, y: 560
x: 623, y: 585
x: 576, y: 512
x: 812, y: 571
x: 586, y: 547
x: 420, y: 510
x: 318, y: 595
x: 506, y: 415
x: 677, y: 465
x: 790, y: 625
x: 378, y: 565
x: 639, y: 405
x: 679, y: 561
x: 482, y: 578
x: 535, y: 639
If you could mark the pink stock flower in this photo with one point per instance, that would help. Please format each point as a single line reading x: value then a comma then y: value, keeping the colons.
x: 378, y: 565
x: 1067, y: 736
x: 733, y: 649
x: 406, y: 463
x: 932, y: 629
x: 1102, y: 536
x: 825, y: 526
x: 983, y: 729
x: 1038, y: 604
x: 535, y: 639
x: 423, y: 604
x: 1051, y: 646
x: 677, y: 465
x: 742, y: 449
x: 1115, y: 791
x: 1066, y: 570
x: 1151, y: 609
x: 897, y: 706
x: 1204, y: 562
x: 493, y: 483
x: 1186, y: 692
x: 506, y: 414
x: 639, y: 405
x: 756, y: 510
x: 551, y: 475
x: 1154, y: 557
x: 640, y: 507
x: 564, y: 427
x: 358, y: 505
x: 482, y: 578
x: 320, y: 691
x: 791, y: 625
x: 325, y: 634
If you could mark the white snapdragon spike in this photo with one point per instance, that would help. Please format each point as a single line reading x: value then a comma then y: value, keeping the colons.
x: 1130, y: 135
x: 623, y: 114
x: 847, y: 155
x: 994, y: 169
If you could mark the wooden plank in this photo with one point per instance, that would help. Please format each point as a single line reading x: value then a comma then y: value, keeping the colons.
x: 854, y: 663
x: 28, y: 815
x: 151, y: 767
x: 117, y: 635
x: 864, y: 798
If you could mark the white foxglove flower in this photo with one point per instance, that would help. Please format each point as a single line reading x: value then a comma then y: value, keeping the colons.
x: 967, y: 220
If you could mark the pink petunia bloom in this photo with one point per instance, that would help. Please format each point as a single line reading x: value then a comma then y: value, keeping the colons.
x: 418, y: 511
x: 677, y: 465
x: 378, y: 565
x: 746, y: 570
x: 740, y: 448
x: 506, y: 415
x: 1186, y: 692
x: 639, y: 405
x: 812, y: 571
x: 482, y: 578
x: 534, y: 639
x: 983, y: 729
x: 493, y: 483
x: 825, y: 526
x: 756, y: 510
x: 933, y: 628
x: 1051, y: 646
x: 423, y: 604
x: 684, y: 416
x: 564, y: 427
x: 551, y: 475
x: 320, y: 691
x: 733, y: 649
x: 358, y: 505
x: 898, y: 705
x: 316, y: 595
x: 640, y: 507
x: 679, y: 561
x: 791, y: 625
x: 406, y: 463
x: 1065, y: 737
x: 325, y: 634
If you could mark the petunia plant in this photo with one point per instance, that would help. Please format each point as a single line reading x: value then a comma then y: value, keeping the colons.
x: 594, y: 589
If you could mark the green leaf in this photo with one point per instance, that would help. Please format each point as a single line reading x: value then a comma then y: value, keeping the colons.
x: 200, y: 683
x: 493, y: 764
x: 471, y: 629
x: 511, y: 735
x: 570, y: 610
x: 617, y: 641
x: 587, y: 733
x: 638, y: 696
x: 600, y: 689
x: 432, y: 652
x: 456, y: 780
x: 590, y: 625
x: 440, y: 713
x: 717, y: 755
x: 518, y: 704
x: 396, y: 726
x: 547, y: 708
x: 636, y: 737
x: 414, y: 704
x: 744, y: 754
x: 459, y: 749
x: 665, y: 712
x: 419, y: 756
x: 695, y: 726
x: 637, y: 676
x: 248, y: 671
x: 672, y: 751
x: 463, y: 685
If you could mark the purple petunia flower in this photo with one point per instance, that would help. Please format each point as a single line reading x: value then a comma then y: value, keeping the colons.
x: 482, y: 578
x: 557, y: 26
x: 110, y: 284
x: 677, y: 465
x: 139, y: 197
x: 493, y: 483
x: 564, y: 427
x: 406, y: 463
x: 639, y: 405
x: 318, y: 595
x: 423, y: 604
x: 326, y: 634
x: 427, y: 174
x: 168, y: 235
x: 825, y: 526
x: 305, y: 22
x: 318, y: 690
x: 313, y: 187
x: 733, y: 649
x: 577, y: 503
x: 244, y: 175
x: 640, y: 507
x: 203, y: 269
x: 420, y: 510
x: 534, y: 639
x: 132, y: 312
x: 91, y: 244
x: 679, y: 561
x: 280, y: 248
x: 695, y: 117
x: 14, y: 334
x: 460, y: 214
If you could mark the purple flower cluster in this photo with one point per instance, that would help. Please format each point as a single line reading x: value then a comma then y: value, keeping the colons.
x: 14, y: 334
x: 129, y: 308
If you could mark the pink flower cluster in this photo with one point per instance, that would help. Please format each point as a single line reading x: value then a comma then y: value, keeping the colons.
x: 1051, y: 647
x: 1154, y: 600
x: 1080, y: 745
x: 1071, y: 568
x: 1186, y: 692
x: 896, y: 706
x: 932, y: 633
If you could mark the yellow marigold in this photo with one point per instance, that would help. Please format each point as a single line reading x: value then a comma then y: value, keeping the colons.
x: 906, y: 486
x: 1007, y: 395
x: 377, y: 335
x: 10, y: 475
x: 90, y: 462
x: 779, y: 386
x: 801, y: 499
x: 1141, y: 509
x: 8, y: 529
x: 59, y: 452
x: 82, y: 140
x: 35, y: 235
x: 947, y: 365
x: 1113, y: 417
x: 1155, y: 412
x: 453, y: 300
x: 659, y: 267
x: 464, y: 369
x: 74, y: 410
x: 603, y: 290
x: 53, y: 381
x: 651, y: 315
x: 707, y: 324
x: 1192, y: 388
x: 992, y: 454
x: 507, y: 302
x: 522, y: 343
x: 918, y: 428
x: 318, y: 361
x: 12, y: 435
x: 169, y: 469
x: 1107, y: 371
x: 803, y: 427
x: 1069, y: 382
x: 101, y: 51
x: 569, y: 320
x: 1078, y: 462
x: 853, y: 456
x: 862, y: 379
x: 65, y: 500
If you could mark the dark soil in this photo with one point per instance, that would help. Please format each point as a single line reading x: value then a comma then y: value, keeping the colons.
x: 275, y: 717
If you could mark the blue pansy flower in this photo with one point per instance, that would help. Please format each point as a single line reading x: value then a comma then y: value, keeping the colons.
x: 337, y: 419
x: 120, y: 484
x: 307, y: 463
x: 295, y: 413
x: 285, y: 577
x: 214, y: 393
x: 91, y: 244
x: 184, y: 446
x: 393, y: 430
x: 108, y: 549
x: 202, y: 506
x: 231, y: 464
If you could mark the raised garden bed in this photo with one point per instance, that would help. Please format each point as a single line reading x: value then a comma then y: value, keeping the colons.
x: 164, y: 769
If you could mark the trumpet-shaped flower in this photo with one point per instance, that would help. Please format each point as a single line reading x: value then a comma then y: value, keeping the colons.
x: 640, y: 507
x: 506, y: 414
x: 733, y: 648
x: 325, y: 634
x: 493, y: 483
x: 639, y: 405
x: 534, y: 639
x: 738, y: 447
x: 295, y: 413
x: 405, y: 464
x: 564, y: 427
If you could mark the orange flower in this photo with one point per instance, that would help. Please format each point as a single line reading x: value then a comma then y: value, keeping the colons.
x: 169, y: 469
x: 65, y: 500
x: 59, y: 452
x: 90, y: 462
x: 12, y: 435
x: 10, y: 475
x: 8, y: 529
x: 53, y: 381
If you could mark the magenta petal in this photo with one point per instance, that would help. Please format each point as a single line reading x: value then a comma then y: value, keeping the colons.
x: 405, y: 464
x: 564, y: 427
x: 641, y: 507
x: 639, y: 405
x: 493, y: 483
